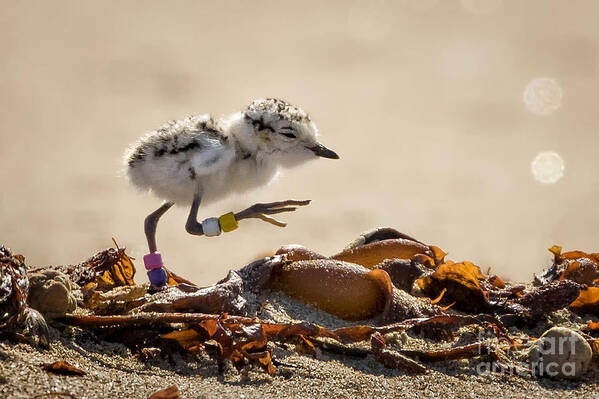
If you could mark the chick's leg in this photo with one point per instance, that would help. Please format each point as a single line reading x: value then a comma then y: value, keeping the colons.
x: 261, y: 211
x: 257, y: 211
x: 152, y: 221
x: 192, y: 225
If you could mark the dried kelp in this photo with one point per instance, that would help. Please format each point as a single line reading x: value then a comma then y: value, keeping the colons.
x: 470, y: 291
x: 62, y: 367
x: 592, y: 327
x: 14, y: 288
x: 109, y: 268
x: 171, y: 392
x: 460, y: 352
x: 119, y: 300
x: 393, y: 359
x: 17, y: 319
x: 578, y: 266
x: 223, y: 297
x: 482, y: 348
x: 587, y: 302
x: 403, y: 273
x: 376, y: 280
x: 241, y: 344
x: 461, y: 283
x: 548, y: 298
x: 243, y: 340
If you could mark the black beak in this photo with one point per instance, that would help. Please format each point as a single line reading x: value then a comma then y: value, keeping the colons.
x: 322, y: 151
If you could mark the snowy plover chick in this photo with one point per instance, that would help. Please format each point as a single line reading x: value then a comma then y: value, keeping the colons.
x: 201, y: 159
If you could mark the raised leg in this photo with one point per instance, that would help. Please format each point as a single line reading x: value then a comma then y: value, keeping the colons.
x: 152, y: 221
x: 260, y: 211
x: 257, y: 211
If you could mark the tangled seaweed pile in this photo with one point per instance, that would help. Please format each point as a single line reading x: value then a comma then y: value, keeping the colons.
x: 380, y: 287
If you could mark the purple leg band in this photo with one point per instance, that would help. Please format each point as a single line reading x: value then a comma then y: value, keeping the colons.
x: 157, y: 277
x: 153, y: 261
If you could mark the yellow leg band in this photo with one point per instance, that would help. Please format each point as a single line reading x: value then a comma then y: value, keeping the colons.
x: 228, y: 222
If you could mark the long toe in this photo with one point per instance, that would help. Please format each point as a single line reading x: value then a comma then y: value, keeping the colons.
x: 270, y: 220
x: 279, y: 204
x: 278, y: 210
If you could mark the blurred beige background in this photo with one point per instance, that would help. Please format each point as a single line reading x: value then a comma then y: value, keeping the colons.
x: 422, y: 99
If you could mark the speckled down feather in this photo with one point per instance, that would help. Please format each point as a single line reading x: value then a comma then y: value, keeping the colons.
x: 215, y: 158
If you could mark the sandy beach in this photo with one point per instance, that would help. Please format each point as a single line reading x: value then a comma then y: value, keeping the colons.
x: 112, y: 371
x: 136, y: 361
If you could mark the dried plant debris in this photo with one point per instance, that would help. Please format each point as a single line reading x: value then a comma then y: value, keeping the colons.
x: 223, y: 297
x: 63, y: 368
x: 119, y: 300
x: 109, y: 268
x: 468, y: 290
x: 243, y: 341
x: 243, y: 345
x: 17, y: 319
x: 282, y: 331
x: 14, y: 287
x: 403, y: 273
x: 587, y: 302
x: 171, y: 392
x: 393, y: 359
x: 461, y: 284
x: 577, y: 266
x: 548, y: 298
x: 592, y: 327
x: 383, y: 283
x: 59, y: 395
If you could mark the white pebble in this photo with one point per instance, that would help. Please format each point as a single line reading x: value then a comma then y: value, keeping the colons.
x: 560, y: 353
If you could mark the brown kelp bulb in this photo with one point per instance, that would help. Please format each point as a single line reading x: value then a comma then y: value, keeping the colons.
x: 348, y: 291
x: 298, y: 252
x: 370, y: 255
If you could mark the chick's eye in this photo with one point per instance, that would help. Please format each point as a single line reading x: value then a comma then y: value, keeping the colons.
x: 290, y: 135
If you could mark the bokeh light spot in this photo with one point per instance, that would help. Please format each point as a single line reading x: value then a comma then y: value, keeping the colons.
x: 543, y: 96
x: 547, y: 167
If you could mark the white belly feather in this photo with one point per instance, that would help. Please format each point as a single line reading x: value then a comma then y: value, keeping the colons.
x: 214, y: 169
